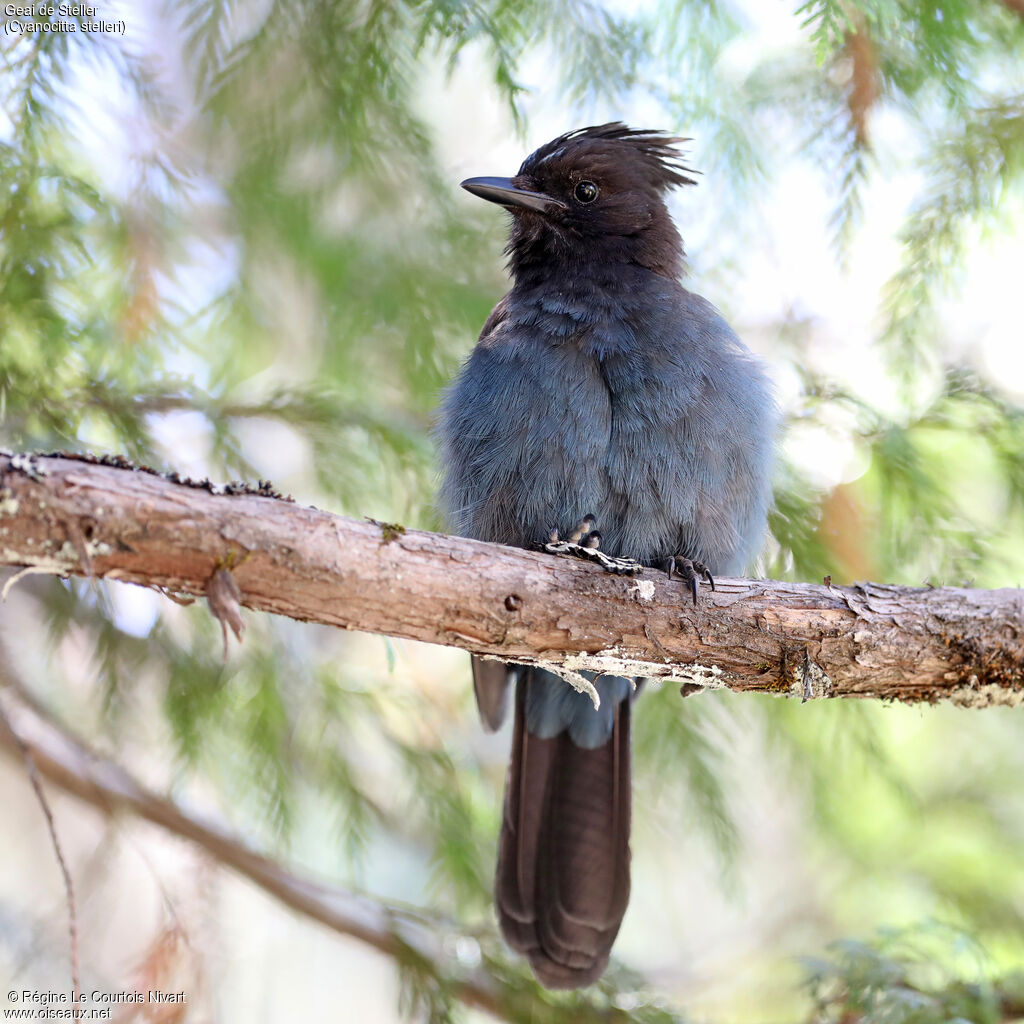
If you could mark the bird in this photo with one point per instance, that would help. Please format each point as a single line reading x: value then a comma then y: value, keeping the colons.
x: 606, y: 403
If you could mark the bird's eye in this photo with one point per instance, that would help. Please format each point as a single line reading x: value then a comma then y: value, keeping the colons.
x: 585, y: 192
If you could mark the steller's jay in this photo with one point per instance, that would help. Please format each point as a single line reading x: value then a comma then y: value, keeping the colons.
x: 600, y: 389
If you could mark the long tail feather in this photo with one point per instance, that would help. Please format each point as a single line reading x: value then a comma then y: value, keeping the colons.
x: 563, y: 863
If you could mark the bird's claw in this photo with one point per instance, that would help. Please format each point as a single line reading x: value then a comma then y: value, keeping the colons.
x: 585, y: 542
x: 690, y: 571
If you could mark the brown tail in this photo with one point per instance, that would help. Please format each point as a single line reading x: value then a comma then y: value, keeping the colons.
x: 563, y: 861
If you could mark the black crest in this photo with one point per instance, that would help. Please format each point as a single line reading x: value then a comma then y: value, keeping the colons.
x: 652, y: 153
x: 601, y: 195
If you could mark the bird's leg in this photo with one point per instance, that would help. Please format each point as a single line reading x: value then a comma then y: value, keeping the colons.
x: 585, y: 542
x: 690, y: 571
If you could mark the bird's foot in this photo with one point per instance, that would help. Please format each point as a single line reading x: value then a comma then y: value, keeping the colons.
x: 690, y: 571
x: 585, y: 542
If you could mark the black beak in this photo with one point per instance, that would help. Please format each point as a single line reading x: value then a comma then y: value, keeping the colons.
x: 504, y: 193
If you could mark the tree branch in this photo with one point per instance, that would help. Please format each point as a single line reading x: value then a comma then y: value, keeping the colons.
x: 69, y: 764
x: 73, y: 515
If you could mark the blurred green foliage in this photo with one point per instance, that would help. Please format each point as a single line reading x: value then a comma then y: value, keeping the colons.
x: 277, y: 278
x: 910, y: 978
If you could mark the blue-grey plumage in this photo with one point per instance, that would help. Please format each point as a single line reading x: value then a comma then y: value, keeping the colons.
x: 599, y: 386
x: 648, y: 412
x: 552, y: 708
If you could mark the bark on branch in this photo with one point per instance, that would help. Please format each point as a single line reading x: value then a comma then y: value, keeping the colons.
x: 82, y: 517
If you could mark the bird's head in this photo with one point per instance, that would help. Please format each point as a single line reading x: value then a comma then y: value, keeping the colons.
x: 593, y: 196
